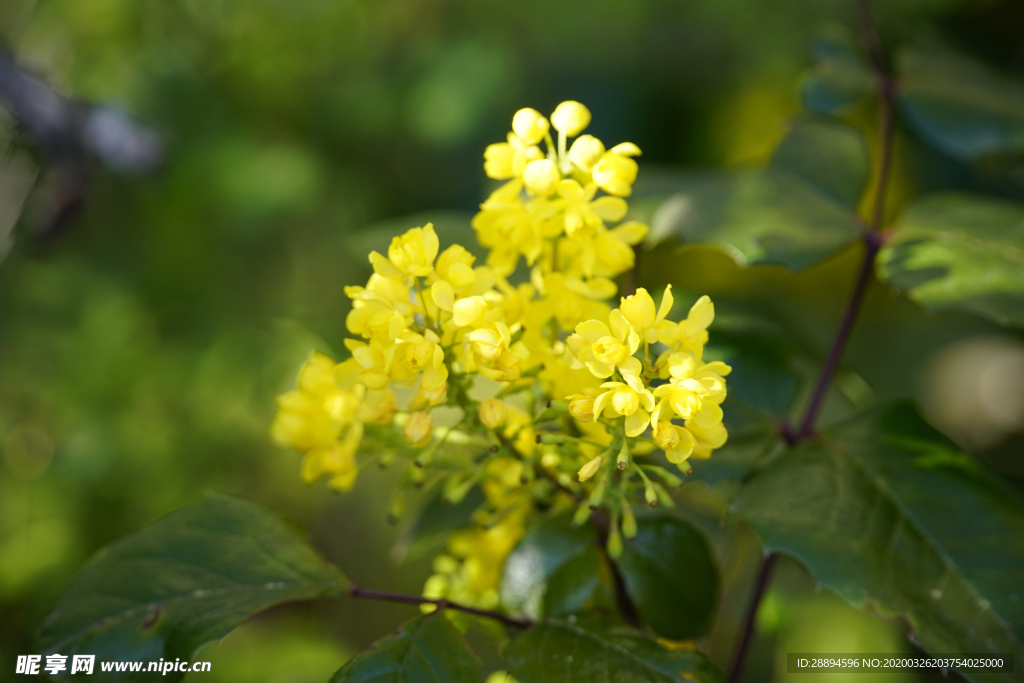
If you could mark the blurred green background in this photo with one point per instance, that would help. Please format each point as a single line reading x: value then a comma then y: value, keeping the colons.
x: 141, y: 350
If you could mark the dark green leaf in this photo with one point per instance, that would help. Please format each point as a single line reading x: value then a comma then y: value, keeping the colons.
x: 840, y: 77
x: 671, y: 576
x: 538, y: 558
x: 960, y: 105
x: 427, y: 649
x: 183, y: 581
x: 963, y: 252
x: 885, y: 510
x: 829, y: 156
x: 770, y: 217
x: 435, y: 521
x: 586, y: 650
x: 572, y: 585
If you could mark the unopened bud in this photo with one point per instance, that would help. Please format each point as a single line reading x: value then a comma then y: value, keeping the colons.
x: 581, y: 407
x: 623, y: 459
x: 570, y: 118
x: 628, y: 521
x: 493, y: 413
x: 588, y: 470
x: 418, y: 429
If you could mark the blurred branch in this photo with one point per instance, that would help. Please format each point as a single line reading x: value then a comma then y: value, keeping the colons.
x: 72, y: 130
x: 69, y: 133
x: 764, y: 576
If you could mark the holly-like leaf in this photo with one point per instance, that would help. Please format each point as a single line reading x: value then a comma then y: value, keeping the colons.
x: 960, y: 105
x: 886, y: 510
x: 795, y: 213
x: 960, y: 251
x: 553, y: 570
x: 427, y: 649
x: 588, y: 649
x: 671, y: 576
x: 184, y: 581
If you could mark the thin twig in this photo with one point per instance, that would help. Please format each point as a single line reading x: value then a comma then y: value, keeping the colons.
x: 387, y: 596
x: 872, y: 238
x: 760, y: 587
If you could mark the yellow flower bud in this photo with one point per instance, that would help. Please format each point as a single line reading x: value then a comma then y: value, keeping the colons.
x: 493, y: 413
x: 529, y: 125
x: 615, y: 174
x: 541, y: 177
x: 585, y: 152
x: 590, y: 469
x: 418, y: 429
x: 570, y: 118
x: 581, y: 407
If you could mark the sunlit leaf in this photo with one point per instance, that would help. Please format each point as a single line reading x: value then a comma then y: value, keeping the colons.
x: 427, y: 649
x: 553, y: 552
x: 796, y: 212
x: 184, y: 581
x: 884, y: 510
x: 573, y: 651
x: 963, y: 252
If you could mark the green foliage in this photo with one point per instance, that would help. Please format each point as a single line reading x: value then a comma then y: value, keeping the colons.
x: 959, y: 104
x: 553, y: 570
x: 671, y: 577
x: 184, y: 581
x: 427, y: 649
x: 563, y: 651
x: 961, y: 251
x: 886, y: 511
x: 796, y: 212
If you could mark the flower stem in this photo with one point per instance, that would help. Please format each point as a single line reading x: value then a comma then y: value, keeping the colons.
x: 387, y: 596
x: 872, y: 234
x: 764, y: 576
x: 872, y: 239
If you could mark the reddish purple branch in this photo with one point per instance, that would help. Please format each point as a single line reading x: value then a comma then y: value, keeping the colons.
x: 387, y: 596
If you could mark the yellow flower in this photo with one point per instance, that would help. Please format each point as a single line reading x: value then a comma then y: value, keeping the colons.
x: 585, y: 215
x: 676, y: 441
x: 616, y: 172
x: 380, y: 310
x: 690, y: 334
x: 692, y: 392
x: 493, y: 412
x: 607, y: 252
x: 603, y: 349
x: 638, y: 310
x: 632, y: 402
x: 529, y: 125
x: 418, y: 429
x: 541, y: 177
x: 410, y: 254
x: 337, y: 461
x: 570, y: 118
x: 504, y: 160
x: 706, y: 439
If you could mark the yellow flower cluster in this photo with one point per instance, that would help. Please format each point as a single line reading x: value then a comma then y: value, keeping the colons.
x: 544, y: 386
